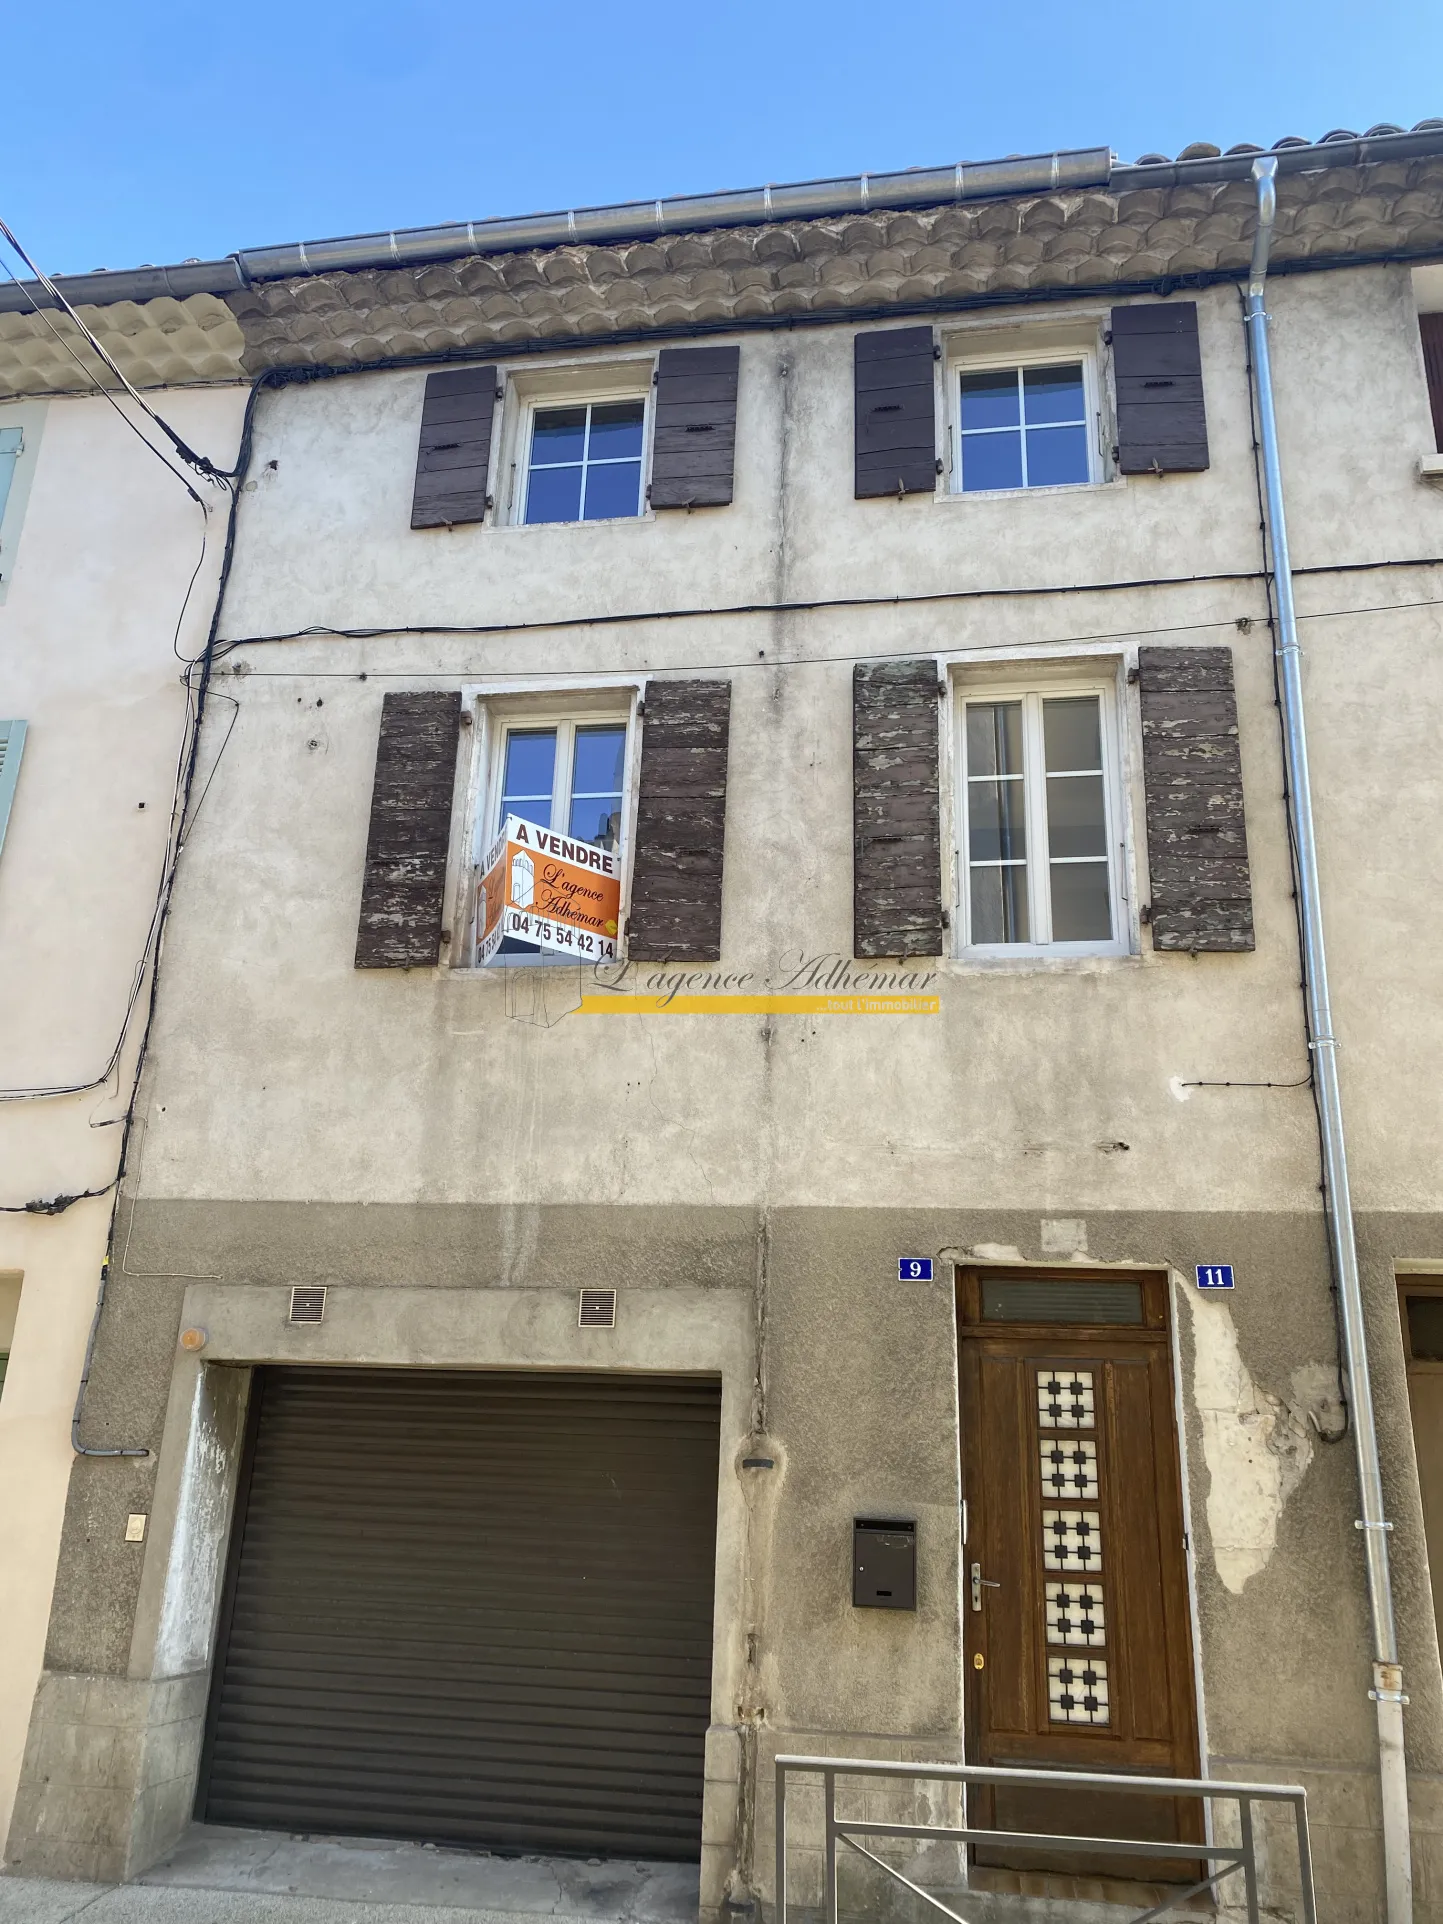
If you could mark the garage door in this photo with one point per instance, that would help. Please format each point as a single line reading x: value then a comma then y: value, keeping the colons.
x: 472, y: 1607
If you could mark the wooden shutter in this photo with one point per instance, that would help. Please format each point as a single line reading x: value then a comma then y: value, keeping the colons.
x: 896, y: 809
x: 403, y: 892
x: 1157, y: 368
x: 12, y: 746
x: 896, y: 407
x: 694, y: 444
x: 676, y: 877
x: 1431, y: 327
x: 1197, y: 843
x: 455, y: 450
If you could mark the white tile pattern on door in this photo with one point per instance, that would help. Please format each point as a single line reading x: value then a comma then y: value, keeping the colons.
x: 1072, y: 1541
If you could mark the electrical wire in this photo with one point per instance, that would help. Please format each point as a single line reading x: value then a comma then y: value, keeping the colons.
x: 761, y: 660
x: 200, y: 462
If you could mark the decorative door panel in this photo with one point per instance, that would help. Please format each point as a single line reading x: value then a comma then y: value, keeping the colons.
x: 1076, y: 1627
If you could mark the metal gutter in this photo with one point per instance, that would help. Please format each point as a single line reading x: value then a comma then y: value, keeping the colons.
x: 1067, y: 171
x: 1387, y: 1690
x: 645, y: 219
x: 127, y: 284
x: 1365, y: 149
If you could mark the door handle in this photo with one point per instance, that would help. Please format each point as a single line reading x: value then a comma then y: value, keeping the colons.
x: 979, y: 1584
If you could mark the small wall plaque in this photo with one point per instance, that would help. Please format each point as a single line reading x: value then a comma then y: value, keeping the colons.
x: 135, y: 1527
x: 914, y: 1269
x: 1214, y: 1275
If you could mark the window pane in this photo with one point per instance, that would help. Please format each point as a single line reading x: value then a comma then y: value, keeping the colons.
x: 616, y: 431
x: 554, y: 494
x: 596, y: 818
x: 1076, y: 819
x: 1072, y: 733
x: 1081, y: 910
x: 996, y: 822
x: 613, y: 490
x: 558, y: 434
x: 530, y: 775
x: 600, y: 754
x: 994, y: 738
x: 990, y: 400
x: 1053, y: 394
x: 991, y: 461
x: 596, y: 785
x: 1056, y: 456
x: 999, y: 905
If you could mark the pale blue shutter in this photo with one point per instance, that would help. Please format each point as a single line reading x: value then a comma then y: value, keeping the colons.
x: 12, y: 440
x: 12, y: 743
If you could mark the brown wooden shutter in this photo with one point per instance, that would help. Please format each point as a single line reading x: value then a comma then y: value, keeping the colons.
x: 402, y: 896
x: 694, y: 444
x: 1197, y: 842
x: 676, y: 877
x: 455, y: 450
x: 1157, y: 368
x: 896, y: 407
x: 896, y: 809
x: 1431, y: 328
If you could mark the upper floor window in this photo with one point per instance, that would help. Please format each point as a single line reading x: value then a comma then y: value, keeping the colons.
x: 1041, y: 856
x: 584, y: 461
x: 569, y: 776
x: 563, y: 770
x: 1023, y: 427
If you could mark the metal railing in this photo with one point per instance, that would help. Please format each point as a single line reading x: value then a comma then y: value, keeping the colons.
x: 1223, y: 1860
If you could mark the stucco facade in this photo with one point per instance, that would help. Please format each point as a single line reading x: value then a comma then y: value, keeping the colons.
x: 453, y: 1151
x: 97, y: 547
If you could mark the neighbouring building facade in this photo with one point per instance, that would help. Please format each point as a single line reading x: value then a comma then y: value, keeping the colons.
x: 105, y: 592
x: 735, y: 984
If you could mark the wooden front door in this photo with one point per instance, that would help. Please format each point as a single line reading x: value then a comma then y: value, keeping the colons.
x: 1075, y: 1602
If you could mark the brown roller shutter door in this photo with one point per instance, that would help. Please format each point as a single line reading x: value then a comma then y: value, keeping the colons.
x: 473, y: 1607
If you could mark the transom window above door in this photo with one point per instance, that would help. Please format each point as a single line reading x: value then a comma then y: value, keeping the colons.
x: 1023, y: 427
x: 584, y: 460
x: 1041, y: 858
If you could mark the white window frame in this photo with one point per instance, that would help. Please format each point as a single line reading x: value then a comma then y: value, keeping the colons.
x: 1031, y: 691
x: 494, y: 715
x: 1058, y: 350
x: 576, y: 384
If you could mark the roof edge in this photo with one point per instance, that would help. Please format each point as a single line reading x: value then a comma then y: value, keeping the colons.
x: 1065, y: 171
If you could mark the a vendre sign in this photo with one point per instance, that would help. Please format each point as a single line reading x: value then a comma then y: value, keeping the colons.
x: 563, y: 895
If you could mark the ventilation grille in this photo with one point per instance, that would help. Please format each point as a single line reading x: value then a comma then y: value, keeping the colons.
x: 308, y: 1305
x: 598, y: 1309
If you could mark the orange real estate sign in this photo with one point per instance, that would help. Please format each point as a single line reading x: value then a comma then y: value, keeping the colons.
x: 540, y: 887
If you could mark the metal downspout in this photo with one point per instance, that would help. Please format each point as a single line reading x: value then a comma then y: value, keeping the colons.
x: 1387, y: 1691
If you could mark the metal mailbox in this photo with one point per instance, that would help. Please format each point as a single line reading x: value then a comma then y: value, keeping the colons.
x: 884, y: 1563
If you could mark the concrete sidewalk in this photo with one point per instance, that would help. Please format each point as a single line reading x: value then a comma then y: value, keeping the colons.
x: 262, y: 1877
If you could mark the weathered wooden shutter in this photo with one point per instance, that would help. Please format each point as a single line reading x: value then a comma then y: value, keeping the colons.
x: 1431, y: 327
x: 402, y: 896
x: 1157, y: 368
x: 896, y: 408
x: 896, y: 809
x: 694, y: 445
x: 455, y: 450
x: 12, y: 746
x: 676, y: 877
x: 1197, y: 842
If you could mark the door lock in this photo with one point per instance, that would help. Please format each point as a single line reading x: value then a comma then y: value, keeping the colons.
x: 979, y: 1584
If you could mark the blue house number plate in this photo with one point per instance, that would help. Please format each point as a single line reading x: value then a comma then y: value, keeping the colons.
x: 1214, y: 1275
x: 914, y: 1269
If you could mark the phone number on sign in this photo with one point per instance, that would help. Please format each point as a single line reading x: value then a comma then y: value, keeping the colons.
x: 559, y: 937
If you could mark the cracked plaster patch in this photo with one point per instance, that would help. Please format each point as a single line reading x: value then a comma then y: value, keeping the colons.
x: 1257, y: 1447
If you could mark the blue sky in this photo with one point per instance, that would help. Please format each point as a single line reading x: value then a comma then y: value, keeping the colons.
x: 159, y: 132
